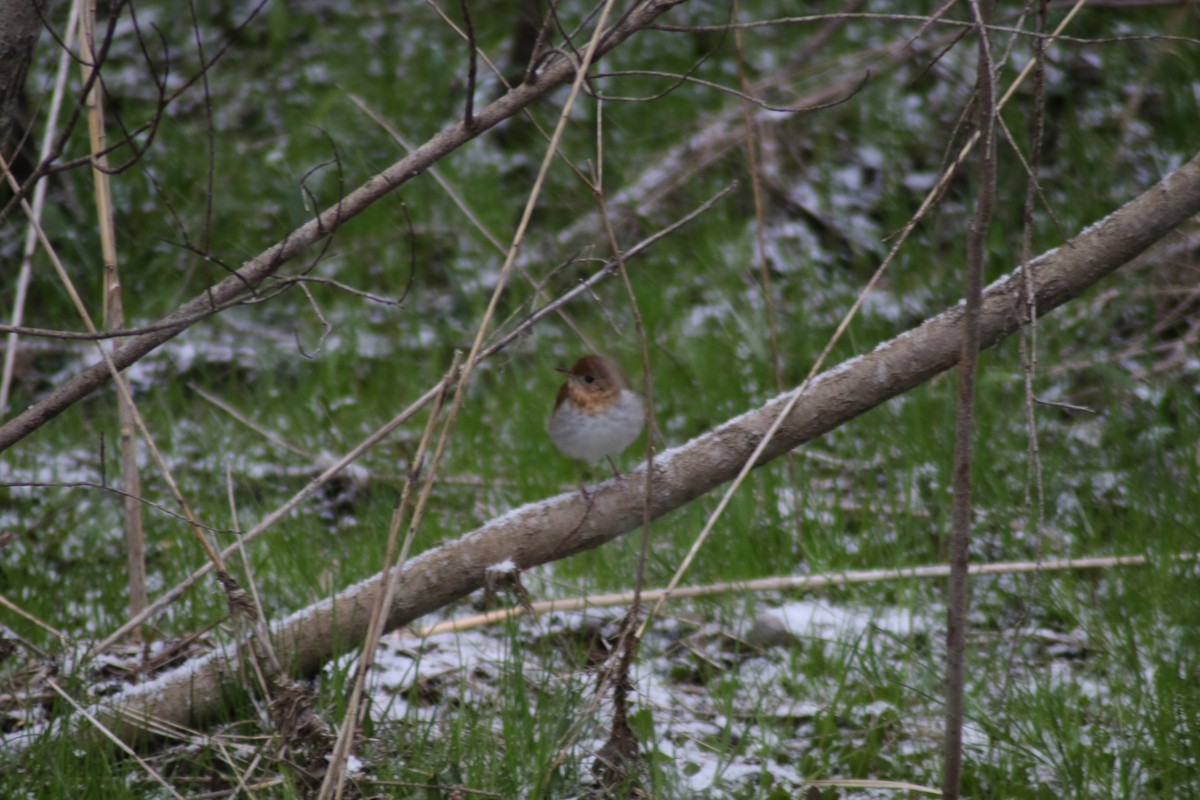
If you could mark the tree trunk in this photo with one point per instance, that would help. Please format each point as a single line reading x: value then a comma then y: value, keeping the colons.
x: 20, y: 25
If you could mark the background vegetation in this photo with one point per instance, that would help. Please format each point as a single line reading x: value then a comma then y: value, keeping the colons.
x: 1081, y: 684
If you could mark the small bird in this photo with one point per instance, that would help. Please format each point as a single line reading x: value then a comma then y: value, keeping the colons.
x: 596, y: 414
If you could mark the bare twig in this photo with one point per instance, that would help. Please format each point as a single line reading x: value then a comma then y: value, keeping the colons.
x: 98, y: 335
x: 1034, y: 493
x: 326, y: 327
x: 1035, y: 497
x: 457, y: 198
x: 262, y: 430
x: 741, y: 94
x: 342, y: 287
x: 753, y: 157
x: 209, y: 130
x: 469, y: 25
x: 111, y: 489
x: 1064, y: 407
x: 924, y: 20
x: 964, y: 425
x: 620, y: 755
x: 788, y: 583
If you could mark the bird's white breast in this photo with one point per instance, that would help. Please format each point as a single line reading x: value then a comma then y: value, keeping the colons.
x: 592, y: 436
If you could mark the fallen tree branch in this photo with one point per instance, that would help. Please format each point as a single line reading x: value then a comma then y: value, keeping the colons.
x: 533, y: 534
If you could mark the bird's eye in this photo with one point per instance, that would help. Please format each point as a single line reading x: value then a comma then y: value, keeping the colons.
x: 590, y: 379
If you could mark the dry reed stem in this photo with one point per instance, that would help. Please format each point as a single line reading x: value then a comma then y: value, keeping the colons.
x: 785, y: 583
x: 335, y: 776
x: 108, y: 734
x: 20, y: 612
x: 114, y: 312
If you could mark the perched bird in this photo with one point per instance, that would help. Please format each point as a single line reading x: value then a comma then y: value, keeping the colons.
x: 596, y: 414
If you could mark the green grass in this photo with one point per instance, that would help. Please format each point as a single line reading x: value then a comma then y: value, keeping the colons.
x: 1080, y: 684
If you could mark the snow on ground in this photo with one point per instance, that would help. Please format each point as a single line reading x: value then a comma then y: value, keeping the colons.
x: 704, y: 686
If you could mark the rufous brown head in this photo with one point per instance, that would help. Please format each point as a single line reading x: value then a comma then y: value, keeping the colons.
x: 594, y: 382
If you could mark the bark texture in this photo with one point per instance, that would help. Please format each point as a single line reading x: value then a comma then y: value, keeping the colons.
x: 20, y: 25
x: 541, y: 532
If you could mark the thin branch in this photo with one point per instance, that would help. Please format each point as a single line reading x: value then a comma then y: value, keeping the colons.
x: 286, y: 281
x: 754, y: 153
x: 261, y: 430
x: 1064, y: 407
x: 785, y: 583
x: 964, y: 425
x: 476, y: 221
x: 469, y: 111
x: 1034, y: 493
x: 743, y: 95
x: 98, y: 335
x: 678, y: 80
x: 210, y: 133
x: 326, y: 326
x: 917, y: 18
x: 105, y: 487
x: 620, y: 754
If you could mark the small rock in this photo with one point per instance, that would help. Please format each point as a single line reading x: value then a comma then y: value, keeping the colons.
x: 768, y: 631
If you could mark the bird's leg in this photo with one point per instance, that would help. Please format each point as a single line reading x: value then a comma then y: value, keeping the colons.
x: 616, y: 472
x: 587, y: 496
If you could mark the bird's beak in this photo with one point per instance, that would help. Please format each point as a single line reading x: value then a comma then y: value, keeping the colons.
x: 563, y: 370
